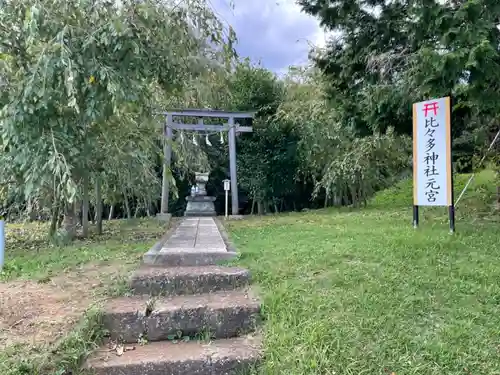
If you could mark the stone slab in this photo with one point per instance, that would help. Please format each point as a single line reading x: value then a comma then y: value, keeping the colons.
x: 220, y: 357
x: 188, y: 259
x: 195, y: 242
x: 200, y: 206
x: 221, y: 314
x: 187, y: 280
x: 200, y: 198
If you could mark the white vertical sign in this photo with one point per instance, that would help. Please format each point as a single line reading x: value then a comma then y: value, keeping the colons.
x: 432, y: 174
x: 227, y: 186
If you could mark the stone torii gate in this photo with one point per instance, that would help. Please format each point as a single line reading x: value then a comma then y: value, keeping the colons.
x: 232, y: 127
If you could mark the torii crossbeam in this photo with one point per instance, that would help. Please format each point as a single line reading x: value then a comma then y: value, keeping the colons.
x: 232, y: 127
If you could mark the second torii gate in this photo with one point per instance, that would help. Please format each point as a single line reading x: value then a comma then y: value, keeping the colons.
x: 232, y: 127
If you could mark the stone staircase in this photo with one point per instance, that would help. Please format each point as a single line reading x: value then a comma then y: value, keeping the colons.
x: 187, y: 316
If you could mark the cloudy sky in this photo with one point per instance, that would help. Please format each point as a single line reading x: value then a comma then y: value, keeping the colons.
x: 275, y: 32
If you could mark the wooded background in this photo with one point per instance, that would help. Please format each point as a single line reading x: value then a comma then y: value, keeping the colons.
x: 81, y: 80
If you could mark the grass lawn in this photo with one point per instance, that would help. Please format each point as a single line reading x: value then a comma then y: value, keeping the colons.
x: 30, y: 255
x: 50, y: 296
x: 362, y: 292
x: 344, y: 291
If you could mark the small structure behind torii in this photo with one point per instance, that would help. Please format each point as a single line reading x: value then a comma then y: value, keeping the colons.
x: 232, y: 127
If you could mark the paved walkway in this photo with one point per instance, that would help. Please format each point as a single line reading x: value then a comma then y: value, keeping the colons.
x: 193, y: 294
x: 195, y: 234
x: 197, y: 241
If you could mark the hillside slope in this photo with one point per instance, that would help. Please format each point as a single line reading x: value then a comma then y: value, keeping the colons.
x: 479, y: 198
x: 362, y: 292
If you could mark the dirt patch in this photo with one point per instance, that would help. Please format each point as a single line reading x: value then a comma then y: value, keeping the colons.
x: 41, y: 312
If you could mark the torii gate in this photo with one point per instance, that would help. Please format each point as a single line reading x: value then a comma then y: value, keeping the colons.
x: 232, y: 127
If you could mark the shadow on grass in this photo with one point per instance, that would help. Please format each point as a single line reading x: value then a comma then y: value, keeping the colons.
x: 30, y: 253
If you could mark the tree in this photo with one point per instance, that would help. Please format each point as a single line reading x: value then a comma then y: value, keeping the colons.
x: 83, y: 78
x: 266, y: 157
x: 344, y: 168
x: 390, y: 54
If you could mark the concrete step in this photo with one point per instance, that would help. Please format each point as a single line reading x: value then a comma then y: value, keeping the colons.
x: 221, y: 314
x: 187, y: 280
x: 187, y: 257
x: 222, y: 357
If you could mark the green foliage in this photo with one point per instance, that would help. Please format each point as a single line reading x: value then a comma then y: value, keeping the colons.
x: 477, y: 199
x: 367, y: 165
x: 80, y: 82
x: 391, y: 54
x: 254, y: 88
x: 267, y: 160
x: 348, y: 168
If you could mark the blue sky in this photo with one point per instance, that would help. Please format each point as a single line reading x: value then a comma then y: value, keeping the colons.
x: 275, y: 32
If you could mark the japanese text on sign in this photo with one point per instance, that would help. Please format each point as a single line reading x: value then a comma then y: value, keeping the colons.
x: 432, y: 153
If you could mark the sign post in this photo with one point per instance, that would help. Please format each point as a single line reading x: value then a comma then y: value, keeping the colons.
x: 227, y: 187
x: 432, y: 164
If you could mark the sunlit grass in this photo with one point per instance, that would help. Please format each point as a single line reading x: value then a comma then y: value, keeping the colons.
x: 30, y: 254
x: 362, y: 292
x: 344, y: 291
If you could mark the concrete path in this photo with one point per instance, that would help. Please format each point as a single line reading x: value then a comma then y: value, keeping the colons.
x: 194, y: 315
x: 195, y: 234
x: 197, y: 241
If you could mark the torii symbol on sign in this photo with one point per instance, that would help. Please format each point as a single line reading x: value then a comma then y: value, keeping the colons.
x: 430, y: 107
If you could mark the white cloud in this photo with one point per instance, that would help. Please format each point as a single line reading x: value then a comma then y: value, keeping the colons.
x: 277, y: 33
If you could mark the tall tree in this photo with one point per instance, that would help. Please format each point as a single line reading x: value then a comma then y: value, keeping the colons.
x: 388, y: 54
x: 74, y: 68
x: 344, y: 168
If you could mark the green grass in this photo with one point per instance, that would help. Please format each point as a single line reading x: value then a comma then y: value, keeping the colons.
x: 60, y: 358
x: 29, y: 253
x: 362, y: 292
x: 344, y: 291
x: 477, y: 199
